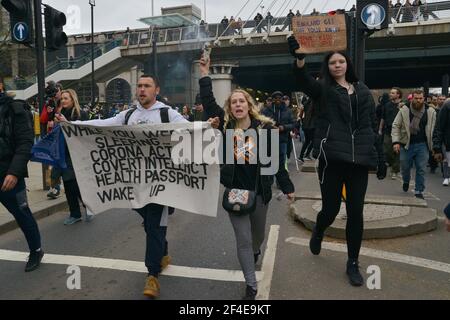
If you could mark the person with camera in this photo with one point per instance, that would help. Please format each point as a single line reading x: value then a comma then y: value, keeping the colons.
x: 16, y: 140
x: 240, y: 114
x: 51, y: 107
x: 345, y: 145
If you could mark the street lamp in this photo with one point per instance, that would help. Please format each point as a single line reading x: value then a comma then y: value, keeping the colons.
x: 204, y: 8
x: 92, y: 4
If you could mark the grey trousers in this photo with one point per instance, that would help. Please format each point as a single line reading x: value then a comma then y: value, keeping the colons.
x: 249, y: 230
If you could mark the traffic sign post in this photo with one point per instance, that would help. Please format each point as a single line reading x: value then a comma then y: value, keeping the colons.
x: 20, y: 32
x: 371, y: 16
x: 21, y: 20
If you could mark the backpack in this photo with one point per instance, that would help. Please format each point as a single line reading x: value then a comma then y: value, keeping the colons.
x: 164, y: 114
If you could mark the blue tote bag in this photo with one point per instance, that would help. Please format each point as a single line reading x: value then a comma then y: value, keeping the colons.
x: 51, y: 149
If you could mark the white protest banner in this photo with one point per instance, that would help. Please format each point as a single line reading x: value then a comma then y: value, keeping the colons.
x: 321, y: 33
x: 131, y: 166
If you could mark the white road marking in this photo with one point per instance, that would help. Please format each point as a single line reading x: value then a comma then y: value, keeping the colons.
x: 396, y: 257
x: 132, y: 266
x: 268, y: 264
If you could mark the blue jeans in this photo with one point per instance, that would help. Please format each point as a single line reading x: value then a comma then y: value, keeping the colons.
x: 156, y: 237
x: 417, y: 154
x: 15, y: 201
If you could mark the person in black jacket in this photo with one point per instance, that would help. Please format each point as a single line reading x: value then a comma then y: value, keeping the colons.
x: 16, y: 140
x: 284, y: 123
x: 240, y: 114
x: 345, y: 144
x: 72, y: 112
x: 441, y: 141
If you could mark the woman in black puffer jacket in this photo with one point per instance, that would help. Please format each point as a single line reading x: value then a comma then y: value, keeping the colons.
x: 345, y: 144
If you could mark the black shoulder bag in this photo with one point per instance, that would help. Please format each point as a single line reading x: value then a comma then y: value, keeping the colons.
x: 241, y: 201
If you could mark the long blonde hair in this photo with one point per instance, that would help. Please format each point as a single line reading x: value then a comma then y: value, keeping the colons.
x: 252, y: 110
x: 76, y: 110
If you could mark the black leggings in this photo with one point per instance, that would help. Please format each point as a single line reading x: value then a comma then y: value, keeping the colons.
x: 73, y: 196
x: 355, y: 178
x: 308, y: 145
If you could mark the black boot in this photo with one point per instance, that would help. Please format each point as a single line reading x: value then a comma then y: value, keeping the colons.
x: 354, y: 276
x: 250, y: 293
x: 315, y: 244
x: 34, y: 260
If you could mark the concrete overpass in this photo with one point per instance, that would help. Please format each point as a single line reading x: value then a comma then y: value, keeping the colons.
x: 405, y: 55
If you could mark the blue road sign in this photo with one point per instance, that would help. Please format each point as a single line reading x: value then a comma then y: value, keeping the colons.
x: 373, y: 15
x: 21, y: 31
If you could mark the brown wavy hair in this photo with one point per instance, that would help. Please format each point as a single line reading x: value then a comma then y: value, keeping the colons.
x: 252, y: 110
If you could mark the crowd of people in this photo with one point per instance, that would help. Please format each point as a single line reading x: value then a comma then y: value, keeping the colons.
x: 342, y: 129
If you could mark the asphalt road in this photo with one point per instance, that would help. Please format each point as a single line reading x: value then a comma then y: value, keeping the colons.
x: 204, y: 261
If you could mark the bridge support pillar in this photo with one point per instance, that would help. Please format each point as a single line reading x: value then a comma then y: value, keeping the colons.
x: 101, y: 92
x: 221, y: 81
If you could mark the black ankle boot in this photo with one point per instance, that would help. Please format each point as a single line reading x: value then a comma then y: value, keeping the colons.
x: 250, y: 293
x: 354, y: 276
x: 315, y: 244
x: 34, y: 260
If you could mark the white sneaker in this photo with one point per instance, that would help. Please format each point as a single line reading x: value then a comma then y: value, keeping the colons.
x: 89, y: 215
x: 445, y: 183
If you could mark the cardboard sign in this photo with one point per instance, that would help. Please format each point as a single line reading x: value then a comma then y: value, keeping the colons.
x: 321, y: 33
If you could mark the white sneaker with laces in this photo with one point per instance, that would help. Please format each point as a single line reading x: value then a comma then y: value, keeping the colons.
x: 89, y: 215
x: 445, y: 183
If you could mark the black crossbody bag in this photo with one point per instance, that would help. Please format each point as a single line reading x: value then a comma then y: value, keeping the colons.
x: 241, y: 201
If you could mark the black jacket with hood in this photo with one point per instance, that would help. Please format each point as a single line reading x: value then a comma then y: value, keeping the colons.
x: 212, y: 110
x: 334, y: 135
x: 282, y: 116
x: 16, y: 137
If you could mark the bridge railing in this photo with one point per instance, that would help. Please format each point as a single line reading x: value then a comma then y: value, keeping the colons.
x: 425, y: 12
x: 23, y: 83
x: 211, y: 32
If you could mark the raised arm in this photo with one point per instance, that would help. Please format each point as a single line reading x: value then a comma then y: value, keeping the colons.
x: 305, y: 81
x: 210, y: 107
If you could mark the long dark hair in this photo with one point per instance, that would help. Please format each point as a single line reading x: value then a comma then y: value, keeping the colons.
x: 328, y: 81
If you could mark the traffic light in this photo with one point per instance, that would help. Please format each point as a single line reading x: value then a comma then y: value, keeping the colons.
x: 55, y: 37
x: 21, y: 20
